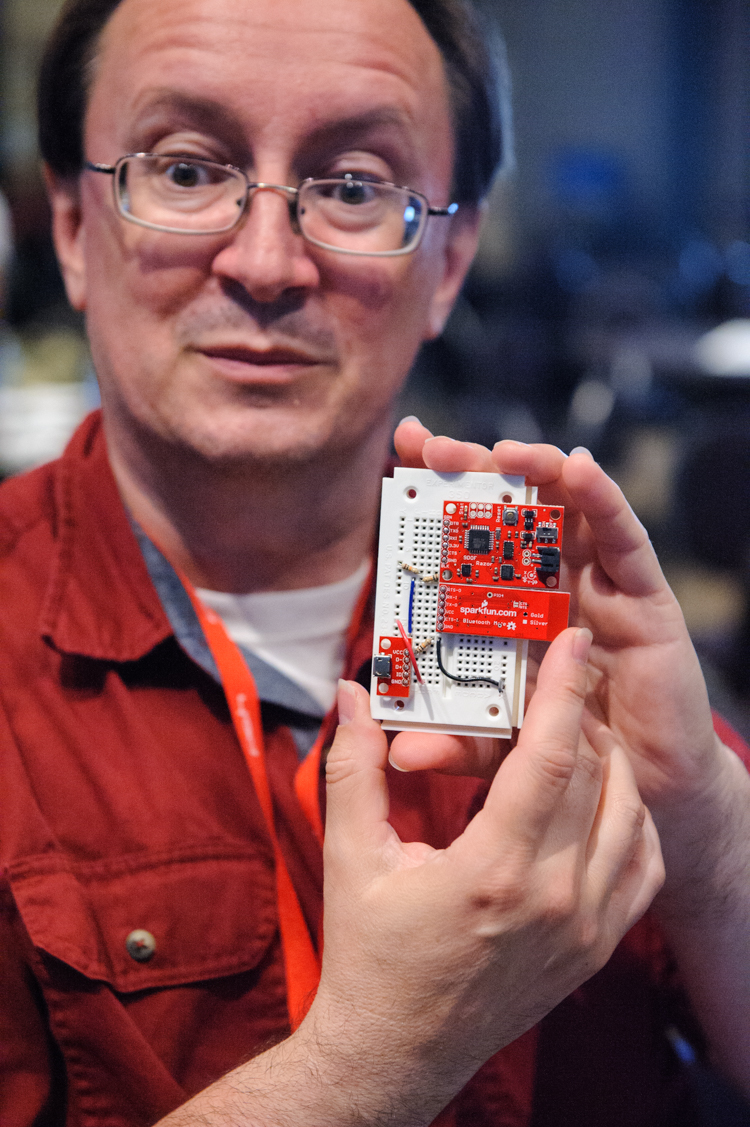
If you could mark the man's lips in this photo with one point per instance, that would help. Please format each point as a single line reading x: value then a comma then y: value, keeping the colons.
x: 262, y: 356
x: 245, y: 362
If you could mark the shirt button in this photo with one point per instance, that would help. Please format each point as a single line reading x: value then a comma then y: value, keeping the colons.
x: 140, y: 945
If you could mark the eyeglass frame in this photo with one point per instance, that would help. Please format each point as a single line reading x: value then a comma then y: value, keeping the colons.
x: 290, y: 192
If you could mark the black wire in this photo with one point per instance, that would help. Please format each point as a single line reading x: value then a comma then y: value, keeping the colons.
x: 465, y: 680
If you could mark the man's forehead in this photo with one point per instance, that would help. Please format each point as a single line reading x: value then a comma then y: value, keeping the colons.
x: 384, y: 35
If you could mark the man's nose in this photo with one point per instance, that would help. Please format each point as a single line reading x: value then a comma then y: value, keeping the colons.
x: 266, y: 255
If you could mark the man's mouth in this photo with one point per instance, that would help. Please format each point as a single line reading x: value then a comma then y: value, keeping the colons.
x: 242, y: 361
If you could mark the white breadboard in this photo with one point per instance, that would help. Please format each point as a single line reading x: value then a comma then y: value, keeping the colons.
x: 409, y: 570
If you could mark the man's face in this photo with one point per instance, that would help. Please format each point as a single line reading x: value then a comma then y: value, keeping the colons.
x: 254, y: 343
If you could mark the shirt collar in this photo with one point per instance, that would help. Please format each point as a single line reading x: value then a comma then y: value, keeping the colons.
x: 112, y: 595
x: 100, y: 601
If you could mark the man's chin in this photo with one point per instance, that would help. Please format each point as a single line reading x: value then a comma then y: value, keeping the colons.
x: 257, y: 443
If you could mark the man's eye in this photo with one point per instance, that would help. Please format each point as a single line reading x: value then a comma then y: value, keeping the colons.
x: 355, y: 192
x: 185, y: 175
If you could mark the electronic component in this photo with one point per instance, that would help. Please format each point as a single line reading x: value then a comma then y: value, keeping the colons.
x: 508, y: 613
x: 479, y: 541
x: 546, y: 534
x: 382, y: 666
x: 454, y: 618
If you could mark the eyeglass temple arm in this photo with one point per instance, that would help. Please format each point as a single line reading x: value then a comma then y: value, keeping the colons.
x: 109, y: 168
x: 451, y: 209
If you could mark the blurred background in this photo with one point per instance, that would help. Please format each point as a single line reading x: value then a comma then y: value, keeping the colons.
x: 609, y: 306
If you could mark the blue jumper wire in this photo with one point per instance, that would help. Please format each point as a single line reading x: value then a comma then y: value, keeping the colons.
x: 411, y: 606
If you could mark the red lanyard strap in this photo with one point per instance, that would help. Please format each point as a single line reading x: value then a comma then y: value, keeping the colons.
x: 301, y: 962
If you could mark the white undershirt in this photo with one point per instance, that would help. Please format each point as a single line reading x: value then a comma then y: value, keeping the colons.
x: 301, y: 633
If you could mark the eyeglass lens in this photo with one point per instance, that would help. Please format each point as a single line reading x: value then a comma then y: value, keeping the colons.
x: 194, y: 196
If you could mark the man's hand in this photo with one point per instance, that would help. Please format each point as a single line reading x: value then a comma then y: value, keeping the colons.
x: 442, y: 957
x: 647, y: 692
x: 648, y: 699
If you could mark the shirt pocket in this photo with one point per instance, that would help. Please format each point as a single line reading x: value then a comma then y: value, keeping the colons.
x: 209, y: 910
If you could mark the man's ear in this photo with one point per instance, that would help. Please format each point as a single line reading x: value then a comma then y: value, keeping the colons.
x: 68, y: 234
x: 460, y: 248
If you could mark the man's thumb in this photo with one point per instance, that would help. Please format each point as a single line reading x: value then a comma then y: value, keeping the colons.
x: 357, y: 794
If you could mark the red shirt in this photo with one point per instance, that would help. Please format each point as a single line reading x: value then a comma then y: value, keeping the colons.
x: 126, y: 804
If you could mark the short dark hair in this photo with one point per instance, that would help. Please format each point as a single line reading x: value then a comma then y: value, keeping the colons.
x: 474, y: 75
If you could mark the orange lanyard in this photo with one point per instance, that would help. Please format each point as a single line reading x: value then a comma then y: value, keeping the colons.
x: 301, y: 961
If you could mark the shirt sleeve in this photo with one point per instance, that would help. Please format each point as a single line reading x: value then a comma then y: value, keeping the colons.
x: 732, y: 739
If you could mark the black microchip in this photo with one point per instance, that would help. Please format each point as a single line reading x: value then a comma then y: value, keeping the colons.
x: 382, y: 665
x: 527, y: 537
x: 529, y: 513
x: 506, y: 571
x: 466, y: 570
x: 546, y: 534
x: 508, y: 550
x: 479, y: 541
x: 510, y: 516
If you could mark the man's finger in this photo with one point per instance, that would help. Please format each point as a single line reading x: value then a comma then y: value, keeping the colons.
x: 356, y: 794
x: 451, y: 755
x: 538, y: 462
x: 446, y: 455
x: 472, y: 756
x: 409, y: 440
x: 622, y: 544
x: 531, y: 783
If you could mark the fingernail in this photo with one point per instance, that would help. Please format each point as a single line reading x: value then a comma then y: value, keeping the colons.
x: 582, y: 450
x: 396, y: 767
x: 515, y: 441
x: 582, y: 644
x: 410, y: 419
x: 347, y: 701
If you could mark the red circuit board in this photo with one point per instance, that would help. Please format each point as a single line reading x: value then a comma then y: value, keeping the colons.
x: 513, y: 545
x: 398, y: 683
x: 506, y: 613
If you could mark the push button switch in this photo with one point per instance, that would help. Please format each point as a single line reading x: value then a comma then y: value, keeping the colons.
x: 140, y: 945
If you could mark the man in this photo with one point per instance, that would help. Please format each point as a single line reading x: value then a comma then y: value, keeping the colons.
x: 255, y: 289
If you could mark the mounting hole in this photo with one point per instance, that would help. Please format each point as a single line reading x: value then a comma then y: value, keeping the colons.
x: 385, y: 644
x: 446, y: 573
x: 410, y: 493
x: 554, y: 513
x: 493, y: 711
x: 382, y: 688
x: 398, y: 704
x: 552, y: 582
x: 507, y: 498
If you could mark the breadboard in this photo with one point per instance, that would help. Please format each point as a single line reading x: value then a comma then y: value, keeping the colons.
x: 468, y: 567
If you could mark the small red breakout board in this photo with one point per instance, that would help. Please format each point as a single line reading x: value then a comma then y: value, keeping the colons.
x: 395, y: 665
x: 540, y: 615
x: 503, y: 545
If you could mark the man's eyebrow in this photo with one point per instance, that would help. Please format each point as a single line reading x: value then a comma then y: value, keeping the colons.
x: 349, y: 129
x: 199, y: 113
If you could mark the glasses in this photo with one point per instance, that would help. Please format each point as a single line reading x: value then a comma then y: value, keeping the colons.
x: 348, y: 214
